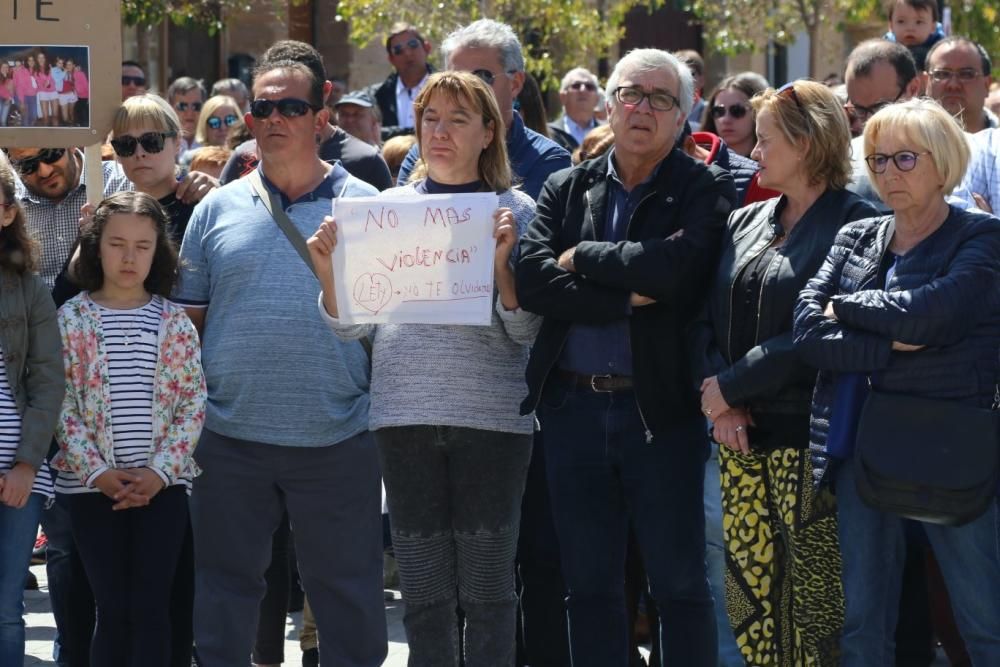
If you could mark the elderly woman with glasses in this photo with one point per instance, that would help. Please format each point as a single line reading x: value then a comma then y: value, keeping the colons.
x: 782, y: 561
x: 908, y: 304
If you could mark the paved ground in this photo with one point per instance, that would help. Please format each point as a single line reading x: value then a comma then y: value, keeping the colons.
x: 41, y: 629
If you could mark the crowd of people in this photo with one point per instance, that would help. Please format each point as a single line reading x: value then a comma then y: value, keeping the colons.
x: 40, y: 87
x: 738, y: 398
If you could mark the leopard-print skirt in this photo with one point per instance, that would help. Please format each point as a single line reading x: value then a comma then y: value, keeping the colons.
x: 783, y: 589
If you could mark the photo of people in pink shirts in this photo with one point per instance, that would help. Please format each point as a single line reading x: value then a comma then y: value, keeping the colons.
x: 44, y: 86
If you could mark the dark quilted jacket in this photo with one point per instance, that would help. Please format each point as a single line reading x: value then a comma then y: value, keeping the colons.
x: 944, y: 295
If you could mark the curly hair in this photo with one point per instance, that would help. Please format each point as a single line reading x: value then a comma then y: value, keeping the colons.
x: 163, y: 272
x: 18, y: 251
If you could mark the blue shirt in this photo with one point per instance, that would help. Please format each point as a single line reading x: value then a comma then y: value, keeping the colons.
x: 533, y: 158
x: 275, y: 372
x: 605, y: 349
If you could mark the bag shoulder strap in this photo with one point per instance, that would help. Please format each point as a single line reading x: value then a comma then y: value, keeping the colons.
x: 273, y: 207
x: 291, y: 232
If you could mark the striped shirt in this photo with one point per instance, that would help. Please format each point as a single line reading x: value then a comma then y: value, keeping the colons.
x: 131, y: 343
x: 10, y: 435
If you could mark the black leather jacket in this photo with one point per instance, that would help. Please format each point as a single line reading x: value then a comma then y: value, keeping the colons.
x: 671, y: 248
x: 770, y: 379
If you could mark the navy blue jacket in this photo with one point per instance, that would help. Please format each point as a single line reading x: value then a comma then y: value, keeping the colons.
x: 944, y: 295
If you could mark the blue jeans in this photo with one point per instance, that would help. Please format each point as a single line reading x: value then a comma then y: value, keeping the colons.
x: 729, y: 652
x: 602, y: 474
x: 18, y: 528
x: 5, y: 106
x: 873, y: 548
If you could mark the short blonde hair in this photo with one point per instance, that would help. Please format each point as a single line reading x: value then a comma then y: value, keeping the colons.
x: 468, y: 89
x: 145, y: 110
x: 213, y: 104
x: 926, y: 124
x: 808, y: 114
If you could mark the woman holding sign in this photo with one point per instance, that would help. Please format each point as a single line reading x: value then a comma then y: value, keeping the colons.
x: 444, y: 402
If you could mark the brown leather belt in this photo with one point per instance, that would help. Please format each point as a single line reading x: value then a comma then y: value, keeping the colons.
x: 596, y: 383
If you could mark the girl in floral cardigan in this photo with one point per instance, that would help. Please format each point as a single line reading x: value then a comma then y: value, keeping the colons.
x: 134, y: 408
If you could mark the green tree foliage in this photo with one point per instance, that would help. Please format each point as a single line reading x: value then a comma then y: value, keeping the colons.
x: 553, y: 32
x: 204, y: 13
x: 732, y: 26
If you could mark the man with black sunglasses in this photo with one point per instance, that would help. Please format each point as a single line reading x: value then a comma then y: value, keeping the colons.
x: 335, y: 145
x: 407, y: 52
x: 133, y: 79
x: 287, y: 412
x: 187, y: 95
x: 578, y: 95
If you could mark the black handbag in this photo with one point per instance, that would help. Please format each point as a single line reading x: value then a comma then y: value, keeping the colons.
x: 927, y: 459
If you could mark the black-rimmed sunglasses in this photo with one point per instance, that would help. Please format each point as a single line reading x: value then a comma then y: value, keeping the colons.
x: 29, y: 166
x: 151, y: 142
x: 582, y: 85
x: 184, y: 106
x: 133, y: 80
x: 735, y: 110
x: 289, y: 107
x: 215, y: 122
x: 411, y: 44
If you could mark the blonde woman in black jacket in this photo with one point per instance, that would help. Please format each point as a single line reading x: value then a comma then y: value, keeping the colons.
x: 783, y: 568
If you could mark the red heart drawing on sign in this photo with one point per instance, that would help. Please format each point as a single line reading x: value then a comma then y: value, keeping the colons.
x: 372, y: 291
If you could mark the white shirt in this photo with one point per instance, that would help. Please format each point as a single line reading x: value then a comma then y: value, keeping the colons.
x: 578, y: 131
x: 983, y: 175
x: 404, y: 101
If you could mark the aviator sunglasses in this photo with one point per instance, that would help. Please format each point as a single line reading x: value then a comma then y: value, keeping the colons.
x: 411, y: 44
x: 735, y: 110
x: 151, y: 142
x: 289, y: 107
x: 215, y: 122
x: 184, y: 106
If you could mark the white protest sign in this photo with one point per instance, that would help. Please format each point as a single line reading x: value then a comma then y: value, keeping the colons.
x: 416, y: 259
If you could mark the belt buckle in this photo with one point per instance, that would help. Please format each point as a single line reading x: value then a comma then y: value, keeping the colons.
x: 593, y: 384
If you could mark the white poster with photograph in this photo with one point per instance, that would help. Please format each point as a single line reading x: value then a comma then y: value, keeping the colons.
x: 415, y: 259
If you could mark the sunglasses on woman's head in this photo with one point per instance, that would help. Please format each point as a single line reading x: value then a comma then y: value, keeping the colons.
x: 184, y: 106
x: 29, y: 166
x: 151, y: 142
x: 289, y: 107
x: 215, y: 122
x: 735, y: 110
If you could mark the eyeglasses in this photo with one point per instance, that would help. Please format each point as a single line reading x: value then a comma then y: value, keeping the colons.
x: 134, y: 81
x: 489, y: 77
x: 864, y: 113
x: 184, y: 106
x: 289, y: 107
x: 964, y: 75
x: 412, y: 43
x: 151, y: 142
x: 582, y: 85
x: 215, y: 122
x: 904, y: 161
x: 658, y: 99
x: 29, y: 166
x: 735, y: 110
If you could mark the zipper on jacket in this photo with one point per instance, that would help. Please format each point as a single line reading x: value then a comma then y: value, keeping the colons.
x: 760, y: 297
x: 732, y: 295
x: 635, y: 392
